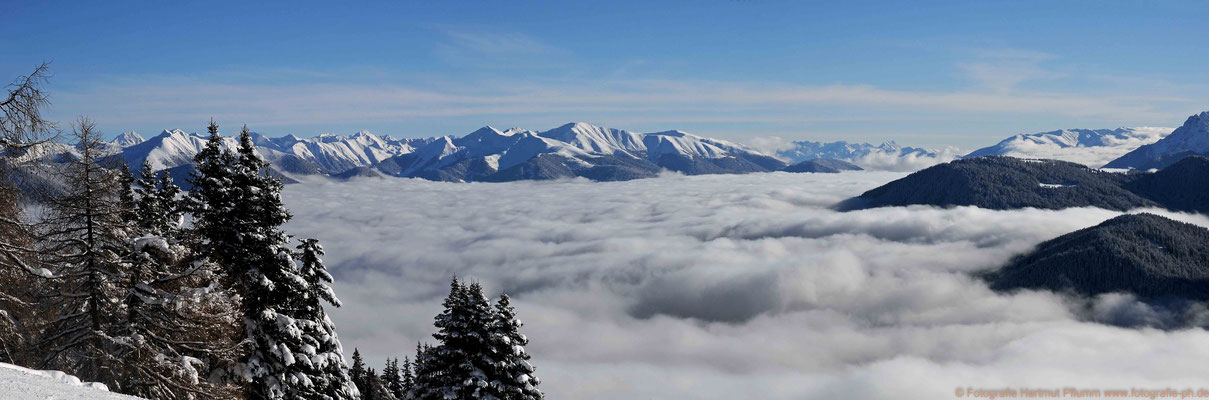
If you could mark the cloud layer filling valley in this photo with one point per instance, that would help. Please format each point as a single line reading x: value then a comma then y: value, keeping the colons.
x: 728, y: 286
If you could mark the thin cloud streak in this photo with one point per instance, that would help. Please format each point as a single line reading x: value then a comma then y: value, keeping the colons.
x: 126, y: 101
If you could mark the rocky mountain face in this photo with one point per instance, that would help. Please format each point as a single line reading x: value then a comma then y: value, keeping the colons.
x: 1192, y: 138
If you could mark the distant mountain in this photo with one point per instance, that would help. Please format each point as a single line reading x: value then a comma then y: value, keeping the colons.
x: 171, y: 148
x: 1142, y: 254
x: 571, y: 150
x: 1001, y: 182
x: 330, y: 154
x: 1190, y: 139
x: 824, y: 165
x: 326, y: 154
x: 885, y: 156
x: 1091, y: 147
x: 487, y: 154
x: 127, y: 139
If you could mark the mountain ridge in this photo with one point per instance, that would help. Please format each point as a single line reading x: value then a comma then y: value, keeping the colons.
x: 1003, y: 183
x: 1091, y: 147
x: 580, y: 149
x: 1191, y: 138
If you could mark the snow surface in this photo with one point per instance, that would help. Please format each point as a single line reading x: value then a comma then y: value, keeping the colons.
x: 19, y: 383
x: 1091, y: 147
x: 597, y: 140
x: 677, y: 142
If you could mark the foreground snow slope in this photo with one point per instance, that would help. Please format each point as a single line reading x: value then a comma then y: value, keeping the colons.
x: 18, y: 383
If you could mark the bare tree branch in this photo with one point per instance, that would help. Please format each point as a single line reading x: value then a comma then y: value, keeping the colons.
x: 21, y: 121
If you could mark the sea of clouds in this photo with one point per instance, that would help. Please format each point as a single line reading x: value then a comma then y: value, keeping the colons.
x: 732, y: 286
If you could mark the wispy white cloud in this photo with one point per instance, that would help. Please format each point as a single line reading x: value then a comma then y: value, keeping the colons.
x: 136, y: 100
x: 1004, y: 70
x: 512, y: 79
x: 488, y: 47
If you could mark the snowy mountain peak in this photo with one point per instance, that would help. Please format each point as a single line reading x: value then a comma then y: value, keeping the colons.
x: 171, y: 132
x: 889, y: 145
x: 128, y: 139
x: 1197, y: 124
x: 1202, y: 119
x: 687, y: 144
x: 486, y: 131
x: 673, y: 133
x: 595, y: 139
x: 582, y: 126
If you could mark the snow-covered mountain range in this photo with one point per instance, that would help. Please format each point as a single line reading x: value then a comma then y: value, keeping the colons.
x: 487, y: 154
x: 1091, y: 147
x: 606, y: 154
x: 575, y: 149
x: 885, y: 156
x: 1192, y: 138
x: 325, y: 154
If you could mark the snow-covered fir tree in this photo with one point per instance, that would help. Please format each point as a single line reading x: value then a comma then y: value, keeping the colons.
x: 480, y: 354
x: 357, y: 371
x: 291, y: 349
x: 420, y: 372
x: 458, y: 366
x: 391, y: 378
x: 172, y: 307
x: 512, y: 374
x: 212, y: 204
x: 157, y: 204
x: 324, y: 356
x: 126, y: 195
x: 407, y: 378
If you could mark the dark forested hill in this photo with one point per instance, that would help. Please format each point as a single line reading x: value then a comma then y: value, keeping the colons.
x: 1144, y: 254
x: 999, y: 182
x: 1183, y: 186
x: 826, y: 165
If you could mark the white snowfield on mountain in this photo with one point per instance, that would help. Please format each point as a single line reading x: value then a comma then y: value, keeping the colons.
x: 581, y: 143
x: 1091, y: 147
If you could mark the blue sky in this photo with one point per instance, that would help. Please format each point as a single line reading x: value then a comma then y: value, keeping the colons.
x: 932, y: 74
